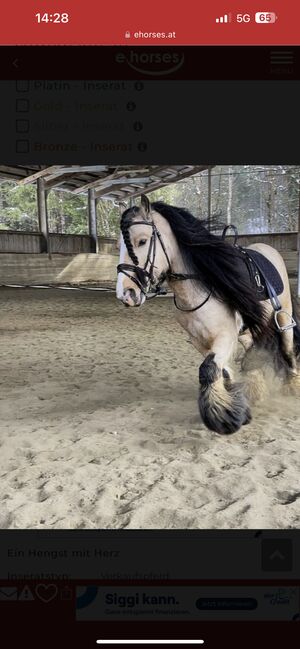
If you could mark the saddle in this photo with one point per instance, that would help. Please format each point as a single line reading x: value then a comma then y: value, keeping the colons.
x: 263, y: 277
x: 261, y: 273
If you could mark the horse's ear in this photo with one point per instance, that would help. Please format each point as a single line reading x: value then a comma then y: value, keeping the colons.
x: 145, y: 204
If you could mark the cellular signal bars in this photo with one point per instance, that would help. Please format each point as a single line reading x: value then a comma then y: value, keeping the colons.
x: 223, y: 19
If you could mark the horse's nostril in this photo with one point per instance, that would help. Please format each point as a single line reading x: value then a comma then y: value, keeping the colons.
x: 129, y: 294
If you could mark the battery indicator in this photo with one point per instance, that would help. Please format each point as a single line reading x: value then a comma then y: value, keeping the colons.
x: 265, y: 17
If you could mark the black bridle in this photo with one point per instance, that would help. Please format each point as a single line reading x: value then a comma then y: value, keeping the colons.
x: 143, y: 276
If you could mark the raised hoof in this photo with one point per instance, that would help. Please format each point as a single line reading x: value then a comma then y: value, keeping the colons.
x: 224, y: 412
x: 226, y: 426
x: 248, y: 418
x: 227, y: 379
x: 208, y: 371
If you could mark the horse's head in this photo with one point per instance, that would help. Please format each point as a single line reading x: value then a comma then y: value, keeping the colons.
x: 144, y: 259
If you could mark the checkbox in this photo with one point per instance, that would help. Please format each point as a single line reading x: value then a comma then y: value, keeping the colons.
x: 22, y: 86
x: 22, y: 125
x: 22, y: 106
x: 22, y: 146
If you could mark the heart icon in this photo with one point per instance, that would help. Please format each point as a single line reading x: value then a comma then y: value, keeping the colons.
x: 46, y: 592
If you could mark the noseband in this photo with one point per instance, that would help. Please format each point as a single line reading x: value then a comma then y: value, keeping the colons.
x: 142, y: 275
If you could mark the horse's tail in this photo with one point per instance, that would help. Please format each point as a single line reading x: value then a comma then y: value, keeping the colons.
x: 296, y: 328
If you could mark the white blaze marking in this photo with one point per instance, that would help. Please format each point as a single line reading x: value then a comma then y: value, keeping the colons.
x: 120, y: 280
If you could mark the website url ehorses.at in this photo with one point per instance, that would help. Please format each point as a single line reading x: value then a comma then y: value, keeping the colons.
x: 146, y: 35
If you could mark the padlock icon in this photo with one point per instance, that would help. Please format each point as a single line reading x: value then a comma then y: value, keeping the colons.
x: 127, y: 34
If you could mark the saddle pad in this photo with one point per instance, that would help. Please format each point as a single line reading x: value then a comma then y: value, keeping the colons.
x: 266, y: 270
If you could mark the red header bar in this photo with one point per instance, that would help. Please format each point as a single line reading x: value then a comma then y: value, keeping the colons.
x: 162, y: 22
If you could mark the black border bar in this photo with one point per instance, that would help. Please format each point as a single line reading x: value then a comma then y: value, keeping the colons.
x: 148, y: 62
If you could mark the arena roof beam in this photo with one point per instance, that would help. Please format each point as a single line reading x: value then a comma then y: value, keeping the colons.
x: 114, y: 176
x: 114, y: 192
x: 80, y: 178
x: 94, y: 183
x: 85, y: 168
x: 126, y: 185
x: 15, y: 172
x: 56, y: 181
x: 56, y: 170
x: 39, y: 174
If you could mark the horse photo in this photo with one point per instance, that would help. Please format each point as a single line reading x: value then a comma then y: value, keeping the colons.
x: 223, y: 294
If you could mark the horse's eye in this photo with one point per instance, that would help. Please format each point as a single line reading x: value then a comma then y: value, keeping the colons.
x: 142, y: 242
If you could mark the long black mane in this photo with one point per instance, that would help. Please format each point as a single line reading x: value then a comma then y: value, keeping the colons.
x: 217, y: 263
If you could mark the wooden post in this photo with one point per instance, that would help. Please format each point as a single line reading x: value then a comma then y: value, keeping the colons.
x: 43, y: 216
x: 298, y: 244
x: 92, y: 213
x: 209, y: 197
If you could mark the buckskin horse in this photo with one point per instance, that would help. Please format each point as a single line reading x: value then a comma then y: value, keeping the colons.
x: 223, y: 294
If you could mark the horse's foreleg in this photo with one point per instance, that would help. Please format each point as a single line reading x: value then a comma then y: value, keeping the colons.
x: 246, y: 339
x: 288, y: 353
x: 287, y: 349
x: 222, y: 403
x: 251, y: 365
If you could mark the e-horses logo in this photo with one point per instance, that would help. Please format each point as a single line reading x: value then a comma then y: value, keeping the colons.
x: 154, y: 64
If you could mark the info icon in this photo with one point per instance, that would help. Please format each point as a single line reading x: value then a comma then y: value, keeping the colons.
x: 142, y: 146
x: 131, y: 106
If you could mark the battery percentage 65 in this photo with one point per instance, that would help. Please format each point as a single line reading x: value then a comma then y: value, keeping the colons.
x: 265, y: 17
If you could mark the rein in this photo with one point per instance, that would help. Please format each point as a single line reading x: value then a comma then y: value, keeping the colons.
x: 180, y: 308
x: 142, y: 276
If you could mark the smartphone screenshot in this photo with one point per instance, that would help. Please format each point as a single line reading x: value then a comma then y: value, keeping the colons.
x: 150, y: 324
